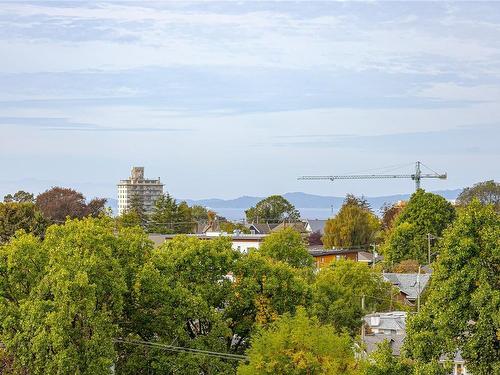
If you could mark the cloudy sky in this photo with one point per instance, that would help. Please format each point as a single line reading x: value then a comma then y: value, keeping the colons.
x: 234, y: 98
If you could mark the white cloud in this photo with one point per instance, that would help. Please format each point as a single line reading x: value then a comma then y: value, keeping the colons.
x: 431, y: 52
x: 453, y: 91
x: 171, y: 37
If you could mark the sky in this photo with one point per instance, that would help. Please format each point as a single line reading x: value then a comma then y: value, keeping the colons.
x: 223, y: 99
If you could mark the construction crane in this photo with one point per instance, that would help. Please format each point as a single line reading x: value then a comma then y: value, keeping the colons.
x: 417, y: 176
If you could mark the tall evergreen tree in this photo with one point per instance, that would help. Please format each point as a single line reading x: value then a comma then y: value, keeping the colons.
x: 169, y: 217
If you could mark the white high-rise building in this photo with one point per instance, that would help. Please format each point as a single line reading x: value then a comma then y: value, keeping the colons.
x: 147, y: 190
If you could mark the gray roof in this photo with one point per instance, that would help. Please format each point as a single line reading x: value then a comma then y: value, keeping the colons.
x: 318, y: 251
x: 365, y: 256
x: 394, y: 320
x: 299, y: 226
x: 408, y: 283
x: 372, y: 342
x: 262, y: 228
x: 456, y: 358
x: 317, y: 225
x: 158, y: 239
x: 396, y: 341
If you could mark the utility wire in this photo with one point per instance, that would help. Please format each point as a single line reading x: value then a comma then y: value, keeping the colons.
x: 179, y: 349
x: 149, y: 221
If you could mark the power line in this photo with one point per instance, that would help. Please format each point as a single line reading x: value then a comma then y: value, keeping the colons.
x: 179, y: 349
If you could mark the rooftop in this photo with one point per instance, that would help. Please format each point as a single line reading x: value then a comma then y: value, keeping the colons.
x: 411, y: 284
x: 158, y: 238
x: 320, y: 252
x: 395, y: 341
x: 317, y: 225
x: 393, y: 320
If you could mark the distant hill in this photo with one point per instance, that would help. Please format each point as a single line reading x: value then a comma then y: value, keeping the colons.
x: 310, y: 206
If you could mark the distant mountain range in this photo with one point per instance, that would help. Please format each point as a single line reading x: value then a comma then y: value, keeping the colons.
x: 310, y: 206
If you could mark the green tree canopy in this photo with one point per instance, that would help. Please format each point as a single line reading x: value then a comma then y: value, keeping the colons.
x: 272, y: 209
x: 425, y: 213
x: 129, y: 219
x: 405, y: 242
x: 179, y: 296
x: 407, y: 266
x: 354, y: 225
x: 263, y: 289
x: 20, y: 216
x: 63, y: 321
x: 431, y: 213
x: 20, y: 197
x: 487, y: 192
x: 383, y: 362
x: 199, y: 213
x: 135, y: 210
x: 300, y: 345
x: 462, y: 311
x: 339, y: 289
x: 288, y: 246
x: 230, y: 227
x: 170, y: 217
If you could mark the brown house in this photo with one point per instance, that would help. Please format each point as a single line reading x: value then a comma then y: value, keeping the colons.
x: 323, y: 257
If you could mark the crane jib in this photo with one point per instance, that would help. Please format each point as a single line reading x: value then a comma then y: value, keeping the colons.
x: 417, y: 176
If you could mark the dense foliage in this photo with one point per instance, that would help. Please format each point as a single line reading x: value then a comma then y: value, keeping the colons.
x: 407, y: 266
x: 24, y: 216
x: 300, y: 345
x: 170, y: 217
x: 176, y: 298
x: 59, y: 315
x: 355, y: 225
x: 92, y: 296
x: 487, y: 192
x: 338, y: 292
x: 67, y: 298
x: 288, y: 246
x: 462, y: 311
x: 59, y: 203
x: 383, y: 362
x: 424, y: 214
x: 273, y: 209
x: 389, y: 214
x: 20, y: 196
x: 21, y: 211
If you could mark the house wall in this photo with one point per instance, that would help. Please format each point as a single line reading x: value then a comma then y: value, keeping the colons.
x: 322, y: 261
x: 244, y: 246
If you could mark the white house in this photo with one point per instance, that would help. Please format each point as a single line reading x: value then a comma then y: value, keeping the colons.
x: 240, y: 241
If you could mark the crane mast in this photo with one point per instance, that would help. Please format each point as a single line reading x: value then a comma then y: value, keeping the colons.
x: 417, y: 176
